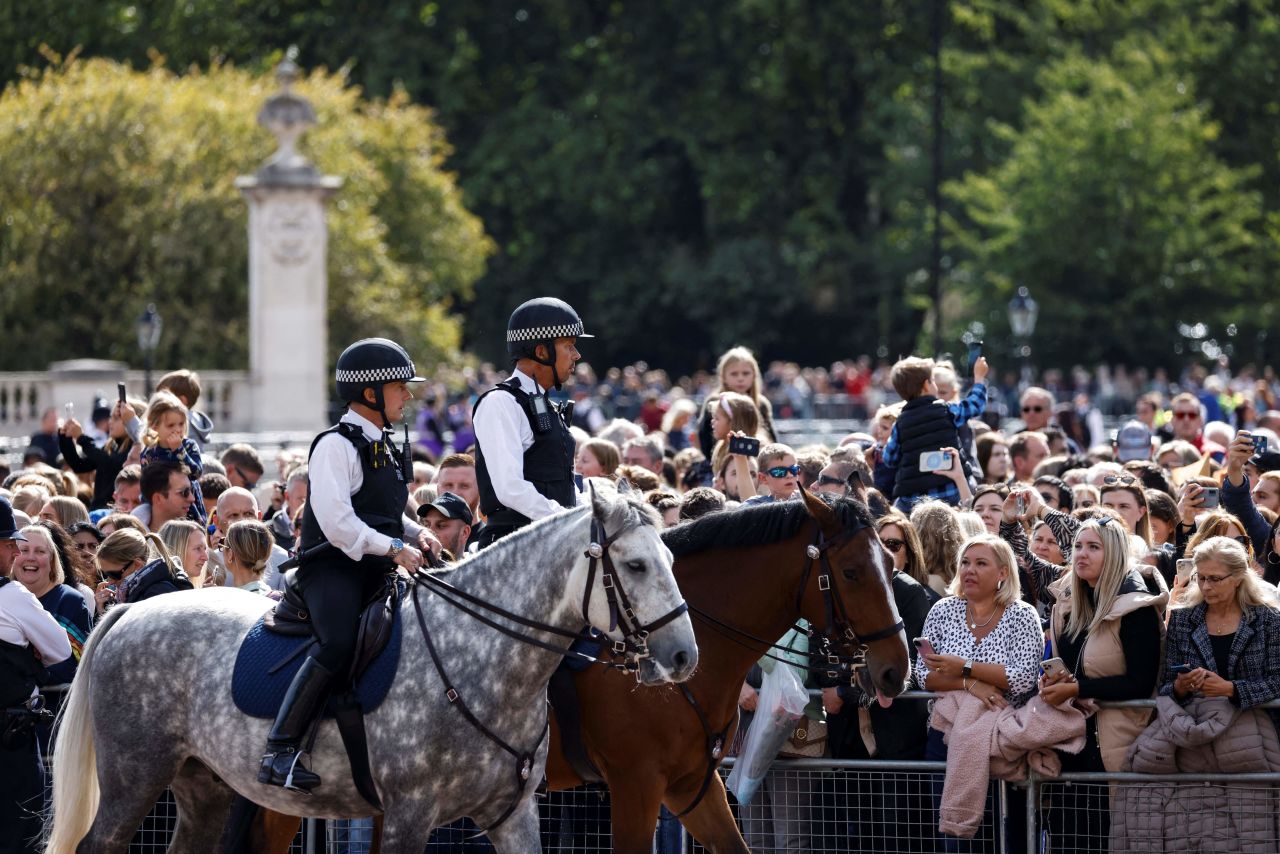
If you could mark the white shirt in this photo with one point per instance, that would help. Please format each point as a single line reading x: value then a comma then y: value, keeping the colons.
x: 25, y: 622
x: 499, y: 421
x: 336, y: 475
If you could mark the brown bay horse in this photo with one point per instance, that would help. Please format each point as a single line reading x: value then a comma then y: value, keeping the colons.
x: 748, y: 576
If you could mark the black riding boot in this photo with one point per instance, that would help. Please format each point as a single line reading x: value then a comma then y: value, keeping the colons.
x: 280, y: 764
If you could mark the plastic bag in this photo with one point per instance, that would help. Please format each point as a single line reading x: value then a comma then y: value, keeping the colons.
x: 781, y: 705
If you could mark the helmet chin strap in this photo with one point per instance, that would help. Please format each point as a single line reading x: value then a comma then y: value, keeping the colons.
x: 550, y: 362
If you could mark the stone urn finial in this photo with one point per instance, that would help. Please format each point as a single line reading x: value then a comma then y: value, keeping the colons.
x: 287, y: 116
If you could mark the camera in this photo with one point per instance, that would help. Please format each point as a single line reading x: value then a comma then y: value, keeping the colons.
x: 935, y: 461
x: 1209, y: 498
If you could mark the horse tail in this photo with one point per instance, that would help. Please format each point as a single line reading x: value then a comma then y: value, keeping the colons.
x: 75, y: 758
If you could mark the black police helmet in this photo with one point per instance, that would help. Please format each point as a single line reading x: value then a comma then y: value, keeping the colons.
x: 370, y: 363
x: 541, y: 321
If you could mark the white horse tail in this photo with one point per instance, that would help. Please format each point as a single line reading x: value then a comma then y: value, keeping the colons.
x: 75, y: 757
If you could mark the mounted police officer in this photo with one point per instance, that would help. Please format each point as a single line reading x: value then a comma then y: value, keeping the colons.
x: 524, y: 450
x: 352, y: 535
x: 30, y: 639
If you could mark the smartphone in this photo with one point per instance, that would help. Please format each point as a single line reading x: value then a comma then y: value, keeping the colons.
x: 923, y: 646
x: 1185, y: 567
x: 70, y: 410
x: 120, y: 393
x: 975, y: 353
x: 1021, y: 502
x: 1054, y: 667
x: 578, y: 482
x: 935, y: 461
x: 1181, y: 669
x: 744, y: 446
x: 1259, y: 444
x: 1209, y: 498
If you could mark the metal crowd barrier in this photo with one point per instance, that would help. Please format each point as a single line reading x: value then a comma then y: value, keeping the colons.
x: 871, y: 806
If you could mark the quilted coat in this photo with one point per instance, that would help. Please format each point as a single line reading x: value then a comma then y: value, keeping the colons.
x: 1206, y: 736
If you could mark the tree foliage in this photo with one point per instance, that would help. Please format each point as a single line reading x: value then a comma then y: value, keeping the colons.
x: 118, y: 190
x: 759, y: 171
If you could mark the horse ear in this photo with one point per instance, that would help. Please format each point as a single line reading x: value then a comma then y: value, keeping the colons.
x: 821, y: 512
x: 624, y: 486
x: 600, y: 506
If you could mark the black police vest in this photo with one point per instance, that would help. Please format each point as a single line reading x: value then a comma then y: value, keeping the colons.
x: 20, y: 670
x: 548, y: 464
x: 381, y: 499
x: 926, y: 424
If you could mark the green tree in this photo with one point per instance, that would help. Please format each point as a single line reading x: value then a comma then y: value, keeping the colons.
x: 118, y: 190
x: 1113, y: 210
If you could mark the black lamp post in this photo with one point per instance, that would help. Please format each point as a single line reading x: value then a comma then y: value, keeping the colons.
x: 1023, y: 311
x: 149, y: 327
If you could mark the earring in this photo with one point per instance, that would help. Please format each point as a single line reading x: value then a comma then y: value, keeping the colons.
x: 1000, y: 586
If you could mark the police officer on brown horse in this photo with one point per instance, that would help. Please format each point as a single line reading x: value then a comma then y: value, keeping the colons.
x: 524, y: 450
x: 353, y: 533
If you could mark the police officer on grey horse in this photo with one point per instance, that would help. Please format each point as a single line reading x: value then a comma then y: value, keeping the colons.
x: 524, y: 450
x: 352, y: 535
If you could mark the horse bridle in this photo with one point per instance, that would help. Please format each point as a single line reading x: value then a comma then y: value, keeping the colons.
x: 837, y: 613
x: 634, y: 645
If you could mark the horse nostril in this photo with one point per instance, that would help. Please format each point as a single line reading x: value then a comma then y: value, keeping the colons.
x: 892, y: 677
x: 681, y: 660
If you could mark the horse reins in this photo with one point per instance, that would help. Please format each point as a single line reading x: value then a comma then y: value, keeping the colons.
x: 633, y: 647
x: 838, y: 620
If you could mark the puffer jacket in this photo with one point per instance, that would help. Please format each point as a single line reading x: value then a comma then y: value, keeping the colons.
x: 1206, y: 736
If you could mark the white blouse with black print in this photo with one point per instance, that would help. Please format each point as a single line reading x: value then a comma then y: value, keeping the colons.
x: 1017, y: 642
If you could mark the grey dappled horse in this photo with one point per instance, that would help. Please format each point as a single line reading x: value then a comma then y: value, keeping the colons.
x: 151, y: 705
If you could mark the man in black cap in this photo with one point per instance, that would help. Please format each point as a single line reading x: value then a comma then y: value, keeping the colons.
x: 524, y: 450
x: 30, y: 638
x: 449, y: 518
x: 351, y: 536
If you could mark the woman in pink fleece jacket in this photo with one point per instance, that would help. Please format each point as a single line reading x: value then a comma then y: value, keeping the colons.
x: 985, y: 639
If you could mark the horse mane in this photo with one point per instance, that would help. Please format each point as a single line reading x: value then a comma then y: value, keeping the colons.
x: 758, y: 525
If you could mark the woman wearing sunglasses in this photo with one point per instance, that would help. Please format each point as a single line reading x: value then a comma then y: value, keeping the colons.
x: 134, y: 568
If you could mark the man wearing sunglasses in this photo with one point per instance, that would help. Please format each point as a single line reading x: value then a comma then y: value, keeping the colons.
x: 166, y: 493
x: 779, y: 474
x: 1037, y: 408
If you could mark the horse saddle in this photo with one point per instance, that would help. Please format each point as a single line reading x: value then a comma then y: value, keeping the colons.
x: 562, y: 694
x: 277, y: 644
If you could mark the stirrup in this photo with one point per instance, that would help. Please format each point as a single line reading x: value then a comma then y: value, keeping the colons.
x: 270, y: 774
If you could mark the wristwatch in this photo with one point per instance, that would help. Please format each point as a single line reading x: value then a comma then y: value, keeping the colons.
x: 397, y: 546
x: 968, y: 668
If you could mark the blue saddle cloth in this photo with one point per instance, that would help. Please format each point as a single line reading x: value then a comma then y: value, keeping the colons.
x: 258, y: 692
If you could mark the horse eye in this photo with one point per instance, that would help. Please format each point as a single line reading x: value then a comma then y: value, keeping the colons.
x: 636, y: 566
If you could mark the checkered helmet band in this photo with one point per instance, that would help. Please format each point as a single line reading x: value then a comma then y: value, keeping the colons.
x: 542, y: 333
x: 378, y: 375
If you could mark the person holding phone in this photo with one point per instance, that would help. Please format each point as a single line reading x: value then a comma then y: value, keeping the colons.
x: 1238, y: 500
x: 83, y: 456
x: 912, y: 465
x: 1106, y: 627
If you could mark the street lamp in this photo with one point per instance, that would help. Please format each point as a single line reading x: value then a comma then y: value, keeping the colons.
x: 1023, y: 311
x: 149, y: 326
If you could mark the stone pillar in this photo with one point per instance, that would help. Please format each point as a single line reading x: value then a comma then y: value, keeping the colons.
x: 289, y: 378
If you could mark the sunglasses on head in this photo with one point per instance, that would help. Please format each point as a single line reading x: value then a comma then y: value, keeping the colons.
x: 893, y: 545
x: 1104, y: 521
x: 783, y: 471
x: 1119, y: 480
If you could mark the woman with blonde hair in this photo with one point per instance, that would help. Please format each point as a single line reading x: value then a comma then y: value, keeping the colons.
x: 1229, y: 606
x: 941, y: 536
x: 189, y: 545
x: 246, y: 551
x: 1106, y: 626
x: 738, y: 372
x: 65, y: 511
x: 136, y: 567
x: 39, y: 568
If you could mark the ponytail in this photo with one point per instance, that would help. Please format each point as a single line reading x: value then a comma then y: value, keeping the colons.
x: 160, y: 550
x: 251, y: 543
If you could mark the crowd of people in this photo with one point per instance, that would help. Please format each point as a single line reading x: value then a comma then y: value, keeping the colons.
x: 1141, y: 564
